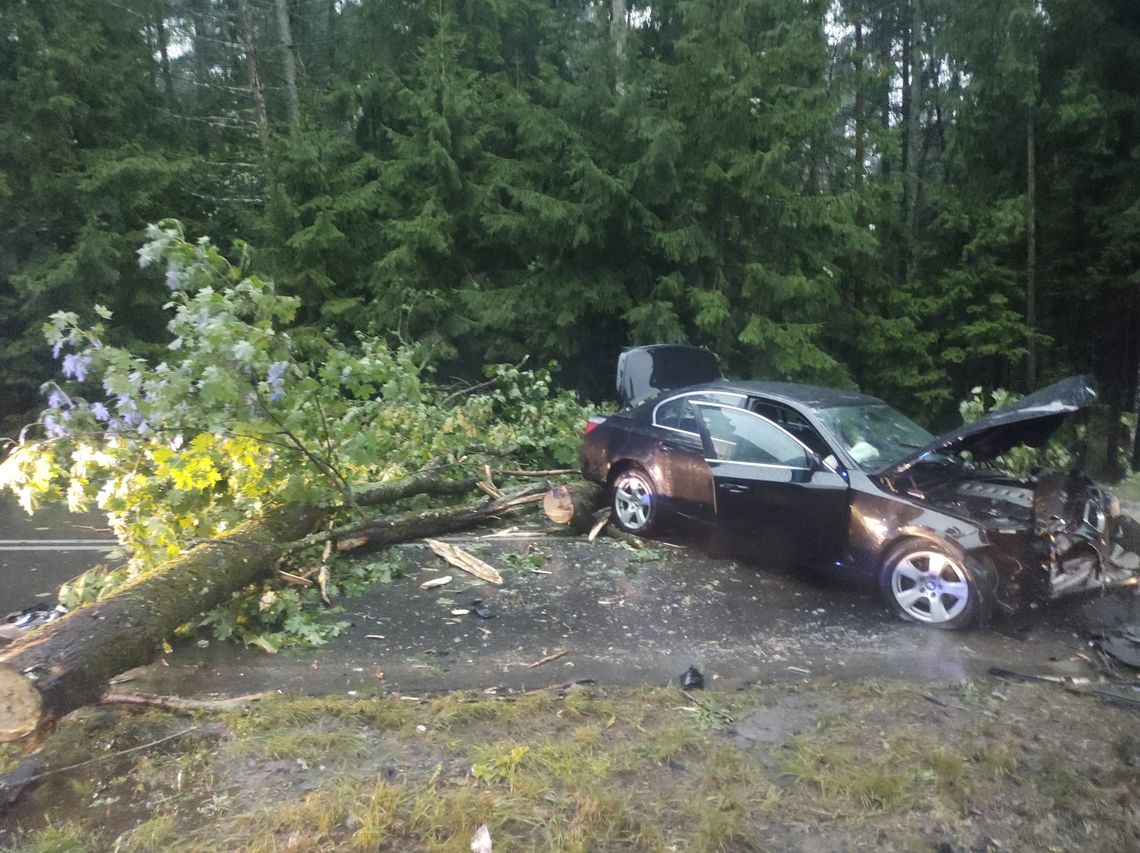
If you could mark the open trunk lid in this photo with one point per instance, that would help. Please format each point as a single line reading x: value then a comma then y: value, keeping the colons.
x: 645, y: 372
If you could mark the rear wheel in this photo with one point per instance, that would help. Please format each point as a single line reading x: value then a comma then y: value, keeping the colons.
x: 633, y: 501
x: 924, y: 583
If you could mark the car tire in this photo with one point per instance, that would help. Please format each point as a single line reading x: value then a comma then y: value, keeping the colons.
x: 633, y: 501
x: 924, y: 582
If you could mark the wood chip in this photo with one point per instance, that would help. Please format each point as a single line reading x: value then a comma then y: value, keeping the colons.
x: 599, y: 525
x: 548, y: 659
x: 432, y: 584
x: 351, y: 543
x: 296, y: 580
x: 465, y: 561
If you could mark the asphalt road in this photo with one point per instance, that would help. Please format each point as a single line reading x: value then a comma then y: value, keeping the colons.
x: 603, y: 612
x: 38, y: 553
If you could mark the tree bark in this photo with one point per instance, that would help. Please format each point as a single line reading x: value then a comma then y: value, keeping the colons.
x: 67, y: 663
x: 1030, y: 251
x: 164, y: 57
x: 913, y: 160
x: 573, y: 504
x: 289, y: 50
x: 261, y: 115
x: 618, y: 31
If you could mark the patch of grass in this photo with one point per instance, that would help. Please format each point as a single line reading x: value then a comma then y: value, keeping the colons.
x: 154, y: 836
x: 336, y: 745
x: 66, y: 837
x: 623, y: 770
x: 274, y: 713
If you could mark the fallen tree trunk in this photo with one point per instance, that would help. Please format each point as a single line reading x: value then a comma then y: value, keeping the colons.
x: 573, y: 504
x: 68, y: 663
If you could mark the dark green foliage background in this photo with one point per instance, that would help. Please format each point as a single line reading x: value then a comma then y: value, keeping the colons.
x: 819, y: 191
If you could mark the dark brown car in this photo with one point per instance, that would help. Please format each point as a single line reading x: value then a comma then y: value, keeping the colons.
x: 841, y: 481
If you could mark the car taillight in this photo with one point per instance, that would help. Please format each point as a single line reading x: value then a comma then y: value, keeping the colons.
x: 592, y: 423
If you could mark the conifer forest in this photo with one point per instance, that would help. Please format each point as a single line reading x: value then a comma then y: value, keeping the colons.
x: 911, y: 197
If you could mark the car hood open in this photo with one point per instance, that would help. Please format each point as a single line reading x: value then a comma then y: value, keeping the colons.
x: 645, y: 372
x: 1031, y: 420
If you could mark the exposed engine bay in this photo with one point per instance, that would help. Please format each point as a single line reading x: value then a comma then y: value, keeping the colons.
x: 1069, y: 524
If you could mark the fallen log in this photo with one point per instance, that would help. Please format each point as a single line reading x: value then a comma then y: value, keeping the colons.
x: 67, y: 663
x: 573, y: 504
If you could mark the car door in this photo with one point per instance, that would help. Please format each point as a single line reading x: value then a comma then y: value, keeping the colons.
x: 771, y: 493
x: 684, y: 475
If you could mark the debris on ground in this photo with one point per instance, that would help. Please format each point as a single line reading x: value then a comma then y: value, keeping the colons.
x: 434, y: 582
x: 692, y: 679
x: 481, y: 610
x: 465, y: 561
x: 17, y: 624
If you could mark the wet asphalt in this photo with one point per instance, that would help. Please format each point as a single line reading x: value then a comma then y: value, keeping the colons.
x: 569, y: 610
x: 40, y: 552
x: 608, y: 614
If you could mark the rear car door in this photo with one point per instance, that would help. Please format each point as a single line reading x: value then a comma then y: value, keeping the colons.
x: 772, y: 495
x: 685, y: 475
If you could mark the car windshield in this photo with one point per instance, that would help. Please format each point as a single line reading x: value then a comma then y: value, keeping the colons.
x: 875, y: 435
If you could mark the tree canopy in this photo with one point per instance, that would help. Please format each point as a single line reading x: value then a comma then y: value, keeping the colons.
x: 910, y: 196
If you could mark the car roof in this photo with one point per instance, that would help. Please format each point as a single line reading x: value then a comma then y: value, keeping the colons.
x: 812, y: 396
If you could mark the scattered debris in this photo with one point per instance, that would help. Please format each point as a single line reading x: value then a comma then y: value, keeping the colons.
x: 602, y: 521
x: 374, y: 637
x: 465, y: 561
x: 177, y: 703
x: 799, y: 669
x: 481, y: 840
x: 19, y: 623
x: 460, y: 611
x: 692, y: 679
x: 1124, y: 647
x: 295, y: 580
x: 481, y: 610
x: 548, y: 659
x: 432, y: 584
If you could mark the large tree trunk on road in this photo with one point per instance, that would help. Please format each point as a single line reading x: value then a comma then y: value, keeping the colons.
x: 67, y: 663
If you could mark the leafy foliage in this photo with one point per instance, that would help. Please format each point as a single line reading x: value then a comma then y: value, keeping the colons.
x: 240, y: 413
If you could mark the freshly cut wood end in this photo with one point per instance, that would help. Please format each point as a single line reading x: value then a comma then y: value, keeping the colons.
x: 558, y: 505
x: 20, y: 706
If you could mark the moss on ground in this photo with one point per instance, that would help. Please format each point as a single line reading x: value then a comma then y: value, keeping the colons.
x: 849, y: 766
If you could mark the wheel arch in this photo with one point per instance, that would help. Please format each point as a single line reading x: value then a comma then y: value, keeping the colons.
x: 978, y: 560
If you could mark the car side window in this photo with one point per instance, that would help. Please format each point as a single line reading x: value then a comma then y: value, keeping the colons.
x: 740, y: 436
x: 678, y: 414
x: 793, y: 422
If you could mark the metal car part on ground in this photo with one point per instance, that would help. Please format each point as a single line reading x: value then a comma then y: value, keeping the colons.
x: 842, y: 482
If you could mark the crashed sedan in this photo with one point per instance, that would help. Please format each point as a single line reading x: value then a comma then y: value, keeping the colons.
x: 839, y: 480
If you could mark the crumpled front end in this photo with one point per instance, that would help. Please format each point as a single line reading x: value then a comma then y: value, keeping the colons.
x: 1078, y: 524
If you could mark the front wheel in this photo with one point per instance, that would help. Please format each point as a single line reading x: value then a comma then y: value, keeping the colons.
x: 633, y: 500
x: 925, y: 583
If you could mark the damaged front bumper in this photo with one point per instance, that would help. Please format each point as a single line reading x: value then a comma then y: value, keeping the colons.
x: 1083, y: 535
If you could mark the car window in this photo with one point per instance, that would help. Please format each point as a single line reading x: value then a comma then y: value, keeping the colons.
x: 676, y: 414
x: 793, y: 422
x: 740, y: 436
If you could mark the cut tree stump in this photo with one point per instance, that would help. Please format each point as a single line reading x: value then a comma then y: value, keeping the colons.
x: 573, y: 504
